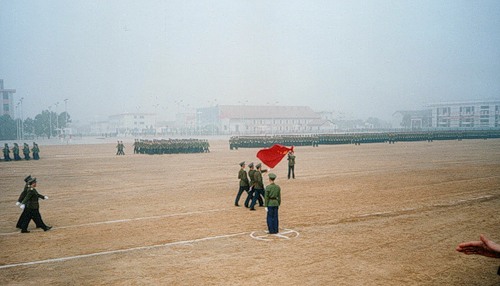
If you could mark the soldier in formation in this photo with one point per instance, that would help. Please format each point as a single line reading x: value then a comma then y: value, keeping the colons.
x: 244, y: 184
x: 171, y: 146
x: 16, y: 152
x: 120, y: 148
x: 258, y: 187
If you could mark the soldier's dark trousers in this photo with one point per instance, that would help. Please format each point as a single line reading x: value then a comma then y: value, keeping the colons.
x: 36, y: 216
x: 272, y: 219
x: 291, y: 170
x: 238, y: 196
x: 249, y: 198
x: 23, y: 217
x: 258, y: 195
x: 26, y: 156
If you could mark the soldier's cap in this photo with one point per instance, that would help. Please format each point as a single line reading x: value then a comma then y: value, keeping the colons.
x: 272, y: 176
x: 258, y: 165
x: 250, y: 165
x: 32, y: 181
x: 27, y: 178
x: 242, y: 163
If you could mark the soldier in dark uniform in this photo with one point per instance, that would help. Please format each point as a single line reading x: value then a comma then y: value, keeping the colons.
x: 258, y: 187
x: 244, y: 183
x: 291, y: 164
x: 6, y: 152
x: 35, y: 151
x: 26, y: 151
x: 15, y: 151
x: 18, y: 203
x: 30, y: 202
x: 251, y: 192
x: 272, y: 202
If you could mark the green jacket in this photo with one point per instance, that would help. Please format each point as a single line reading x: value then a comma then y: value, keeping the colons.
x: 31, y: 199
x: 258, y: 183
x: 242, y: 175
x: 272, y: 195
x: 291, y: 160
x: 251, y: 173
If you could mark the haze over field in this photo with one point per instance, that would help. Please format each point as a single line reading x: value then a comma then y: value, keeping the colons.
x: 362, y: 58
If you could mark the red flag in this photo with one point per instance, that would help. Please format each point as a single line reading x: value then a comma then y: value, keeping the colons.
x: 272, y: 156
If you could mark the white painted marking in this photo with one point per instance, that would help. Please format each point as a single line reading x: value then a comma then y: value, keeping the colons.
x: 265, y: 236
x: 61, y: 259
x: 126, y: 220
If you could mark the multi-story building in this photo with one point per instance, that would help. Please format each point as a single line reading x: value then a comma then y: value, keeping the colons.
x: 7, y: 96
x: 467, y: 114
x: 132, y: 123
x: 244, y: 119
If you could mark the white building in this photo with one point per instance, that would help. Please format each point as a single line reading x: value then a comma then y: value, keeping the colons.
x: 467, y: 114
x: 242, y: 119
x: 128, y: 123
x: 7, y: 96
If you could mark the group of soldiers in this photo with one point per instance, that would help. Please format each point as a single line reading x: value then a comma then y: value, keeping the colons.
x: 16, y: 152
x: 120, y: 148
x: 268, y: 196
x: 171, y: 146
x: 236, y: 142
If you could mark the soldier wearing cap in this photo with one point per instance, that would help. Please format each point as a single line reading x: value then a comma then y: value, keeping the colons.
x: 272, y: 198
x: 18, y: 203
x: 6, y: 152
x: 30, y: 202
x: 291, y: 164
x: 244, y: 184
x: 251, y: 191
x: 258, y: 187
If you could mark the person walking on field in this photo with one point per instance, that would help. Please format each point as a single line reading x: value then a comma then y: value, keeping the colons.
x: 272, y: 199
x: 30, y: 202
x: 258, y: 187
x: 291, y: 164
x: 25, y: 212
x: 244, y: 183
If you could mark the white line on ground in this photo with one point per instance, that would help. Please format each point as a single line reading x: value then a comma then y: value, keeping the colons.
x: 61, y: 259
x: 126, y: 220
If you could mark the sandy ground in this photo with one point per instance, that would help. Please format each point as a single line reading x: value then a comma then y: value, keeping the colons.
x: 375, y: 214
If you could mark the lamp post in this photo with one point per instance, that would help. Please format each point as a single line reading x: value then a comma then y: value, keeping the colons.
x: 65, y: 115
x: 50, y: 121
x: 57, y: 117
x: 22, y: 124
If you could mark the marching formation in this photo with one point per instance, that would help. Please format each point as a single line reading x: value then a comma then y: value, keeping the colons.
x: 16, y: 152
x: 236, y: 142
x: 170, y: 146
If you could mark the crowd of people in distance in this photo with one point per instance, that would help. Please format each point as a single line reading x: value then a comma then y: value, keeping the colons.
x: 35, y: 150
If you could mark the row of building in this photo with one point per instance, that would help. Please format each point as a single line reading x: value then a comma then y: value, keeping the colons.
x: 271, y: 119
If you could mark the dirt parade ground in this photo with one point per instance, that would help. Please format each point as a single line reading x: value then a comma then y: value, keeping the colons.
x: 375, y: 214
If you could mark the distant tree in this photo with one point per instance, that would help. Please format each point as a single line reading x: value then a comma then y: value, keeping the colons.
x: 63, y: 118
x: 7, y: 128
x: 29, y: 126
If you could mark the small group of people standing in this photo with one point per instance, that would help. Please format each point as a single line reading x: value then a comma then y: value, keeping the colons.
x: 270, y: 197
x: 28, y: 202
x: 16, y: 150
x: 120, y: 148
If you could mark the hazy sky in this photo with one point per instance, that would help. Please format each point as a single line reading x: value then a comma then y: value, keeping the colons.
x: 363, y: 58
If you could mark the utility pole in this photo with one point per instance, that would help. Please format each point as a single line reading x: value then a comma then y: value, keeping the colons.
x: 57, y: 117
x: 50, y: 121
x: 22, y: 119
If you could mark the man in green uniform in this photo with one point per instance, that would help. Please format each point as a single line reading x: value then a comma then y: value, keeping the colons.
x: 258, y: 187
x: 251, y: 191
x: 272, y: 202
x: 291, y: 164
x: 26, y: 151
x: 244, y: 184
x: 30, y: 202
